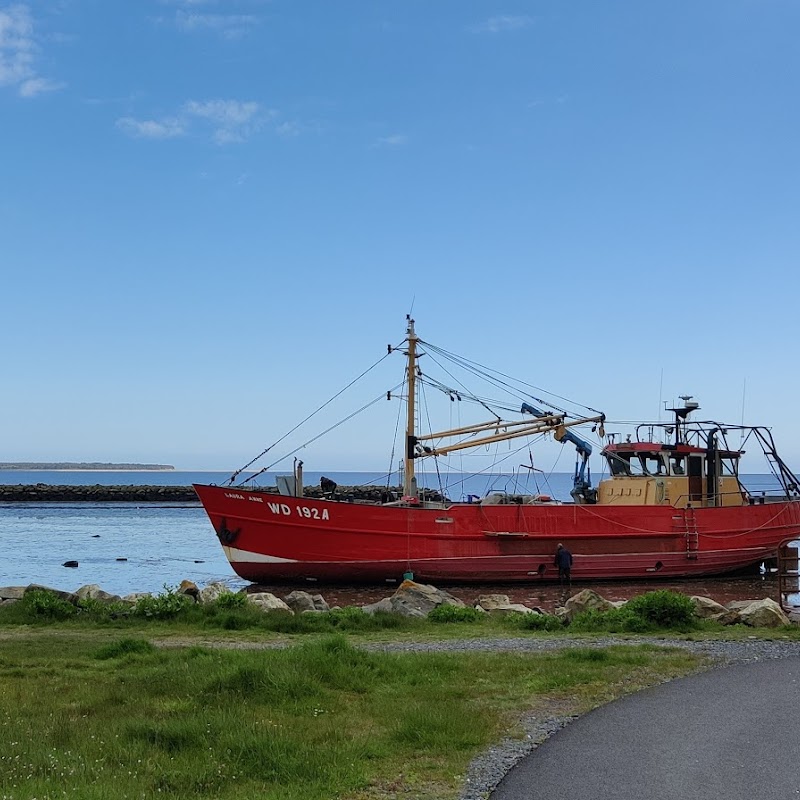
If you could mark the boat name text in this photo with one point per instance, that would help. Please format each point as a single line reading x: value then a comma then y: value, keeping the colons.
x: 302, y: 511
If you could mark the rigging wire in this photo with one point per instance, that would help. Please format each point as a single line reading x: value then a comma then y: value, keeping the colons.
x: 430, y: 428
x: 462, y: 394
x: 394, y: 440
x: 476, y: 368
x: 303, y: 422
x: 462, y: 385
x: 381, y: 396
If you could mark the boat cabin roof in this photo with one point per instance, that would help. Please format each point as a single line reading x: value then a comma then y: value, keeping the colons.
x: 658, y: 447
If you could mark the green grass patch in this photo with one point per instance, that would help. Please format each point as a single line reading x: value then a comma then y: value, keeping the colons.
x: 120, y: 718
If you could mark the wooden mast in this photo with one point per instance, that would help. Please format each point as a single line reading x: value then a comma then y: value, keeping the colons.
x: 409, y: 481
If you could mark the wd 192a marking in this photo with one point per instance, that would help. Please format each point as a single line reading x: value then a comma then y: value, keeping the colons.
x: 302, y: 511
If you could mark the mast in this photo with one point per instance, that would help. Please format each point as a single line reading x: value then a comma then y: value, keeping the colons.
x: 409, y: 481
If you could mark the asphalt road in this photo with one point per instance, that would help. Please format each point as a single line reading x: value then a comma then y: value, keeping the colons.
x: 726, y: 734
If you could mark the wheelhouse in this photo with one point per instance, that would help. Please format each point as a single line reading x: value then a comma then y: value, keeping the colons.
x: 678, y: 475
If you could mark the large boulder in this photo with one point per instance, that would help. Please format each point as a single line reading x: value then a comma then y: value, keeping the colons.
x: 70, y: 597
x: 587, y: 600
x: 500, y: 604
x: 212, y: 592
x: 706, y: 608
x: 268, y: 602
x: 418, y: 599
x: 738, y: 605
x: 381, y: 605
x: 92, y: 591
x: 300, y: 602
x: 764, y: 613
x: 12, y: 592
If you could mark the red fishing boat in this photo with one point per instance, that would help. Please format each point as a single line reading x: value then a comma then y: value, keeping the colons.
x: 671, y: 505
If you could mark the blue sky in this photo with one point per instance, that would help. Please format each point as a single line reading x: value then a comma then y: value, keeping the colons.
x: 214, y: 214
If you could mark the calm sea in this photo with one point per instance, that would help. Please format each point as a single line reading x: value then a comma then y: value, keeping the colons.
x: 142, y: 548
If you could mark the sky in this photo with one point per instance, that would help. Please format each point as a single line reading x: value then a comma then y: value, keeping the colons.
x: 214, y: 214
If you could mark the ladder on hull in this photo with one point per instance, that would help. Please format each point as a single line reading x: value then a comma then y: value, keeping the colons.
x: 692, y: 536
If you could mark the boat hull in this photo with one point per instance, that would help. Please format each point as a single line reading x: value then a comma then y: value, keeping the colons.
x: 268, y: 537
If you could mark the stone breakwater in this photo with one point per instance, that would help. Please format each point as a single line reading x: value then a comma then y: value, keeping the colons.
x: 46, y: 493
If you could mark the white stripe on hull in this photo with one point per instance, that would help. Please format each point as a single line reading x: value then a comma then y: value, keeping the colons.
x: 236, y: 555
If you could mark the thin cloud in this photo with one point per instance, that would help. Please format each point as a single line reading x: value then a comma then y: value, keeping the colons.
x: 229, y: 122
x: 233, y: 120
x: 34, y: 86
x: 503, y: 23
x: 288, y: 129
x: 151, y: 128
x: 395, y: 140
x: 230, y: 26
x: 18, y: 53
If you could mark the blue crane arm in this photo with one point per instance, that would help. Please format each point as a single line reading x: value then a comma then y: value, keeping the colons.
x: 583, y: 447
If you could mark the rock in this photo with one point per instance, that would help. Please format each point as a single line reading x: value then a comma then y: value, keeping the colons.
x: 381, y: 605
x: 189, y: 588
x: 320, y: 603
x: 418, y: 599
x: 208, y: 594
x: 587, y: 600
x: 706, y: 608
x: 70, y: 597
x: 764, y: 613
x: 500, y: 604
x: 738, y: 605
x: 9, y: 601
x: 135, y: 597
x: 93, y: 592
x: 300, y: 601
x: 12, y: 592
x: 268, y: 602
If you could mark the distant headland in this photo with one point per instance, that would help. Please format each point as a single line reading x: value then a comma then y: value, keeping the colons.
x: 94, y: 466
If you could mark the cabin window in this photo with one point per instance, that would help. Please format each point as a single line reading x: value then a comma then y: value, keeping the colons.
x: 618, y: 464
x: 676, y: 466
x: 626, y: 464
x: 729, y: 466
x: 653, y: 465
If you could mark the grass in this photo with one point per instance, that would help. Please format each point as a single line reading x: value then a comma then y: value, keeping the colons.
x: 171, y: 615
x: 95, y: 715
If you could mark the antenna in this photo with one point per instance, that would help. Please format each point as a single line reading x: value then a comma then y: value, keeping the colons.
x: 744, y: 391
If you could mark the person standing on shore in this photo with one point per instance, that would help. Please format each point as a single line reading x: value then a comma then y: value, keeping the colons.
x: 563, y: 561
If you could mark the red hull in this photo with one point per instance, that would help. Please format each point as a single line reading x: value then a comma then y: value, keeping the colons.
x: 269, y: 537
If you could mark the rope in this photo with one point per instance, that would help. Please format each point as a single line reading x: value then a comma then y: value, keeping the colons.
x: 488, y: 373
x: 319, y: 435
x: 303, y: 422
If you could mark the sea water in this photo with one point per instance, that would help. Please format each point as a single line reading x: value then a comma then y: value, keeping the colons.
x: 128, y: 547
